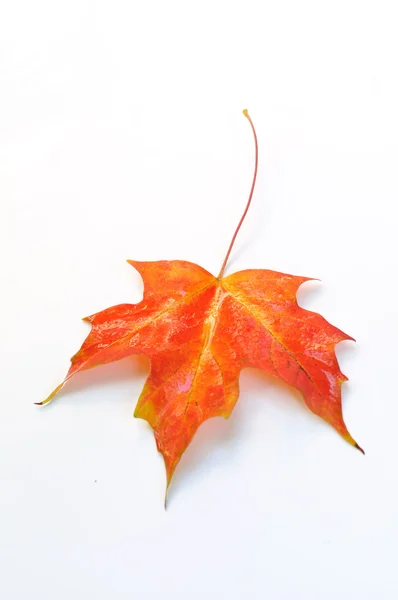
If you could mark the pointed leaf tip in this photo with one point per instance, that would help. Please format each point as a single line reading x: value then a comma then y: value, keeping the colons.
x: 348, y: 438
x: 359, y: 448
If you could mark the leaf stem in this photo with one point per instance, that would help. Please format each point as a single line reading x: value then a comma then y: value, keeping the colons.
x: 221, y: 273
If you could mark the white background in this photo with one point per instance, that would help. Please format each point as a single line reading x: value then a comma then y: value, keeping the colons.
x: 121, y: 136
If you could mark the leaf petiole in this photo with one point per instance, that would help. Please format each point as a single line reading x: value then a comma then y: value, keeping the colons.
x: 221, y: 273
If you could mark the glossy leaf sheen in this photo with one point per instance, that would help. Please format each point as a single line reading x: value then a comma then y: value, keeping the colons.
x: 199, y: 332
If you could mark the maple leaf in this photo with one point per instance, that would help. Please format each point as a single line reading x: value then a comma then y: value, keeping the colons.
x: 199, y: 331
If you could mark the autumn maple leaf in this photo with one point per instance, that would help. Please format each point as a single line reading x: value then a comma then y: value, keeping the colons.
x: 199, y: 331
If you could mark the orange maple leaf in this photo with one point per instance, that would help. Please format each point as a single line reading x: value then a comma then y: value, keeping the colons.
x: 199, y: 331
